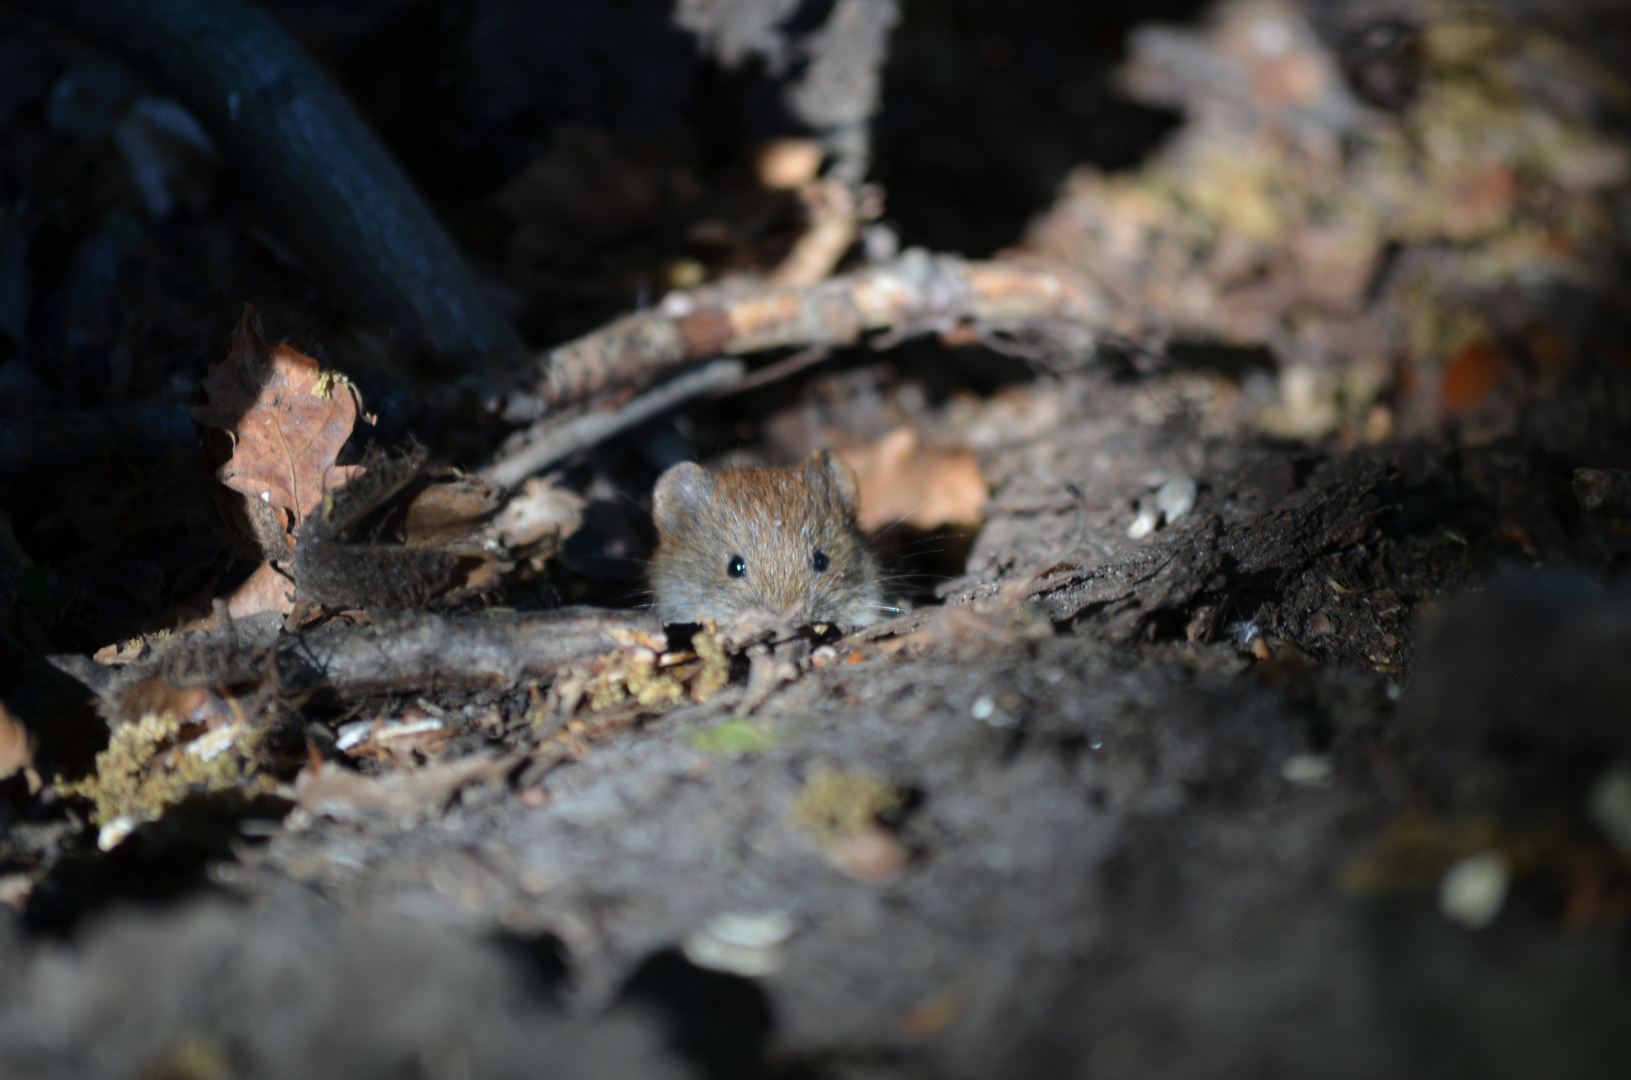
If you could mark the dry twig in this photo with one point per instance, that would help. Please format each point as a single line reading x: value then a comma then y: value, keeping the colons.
x: 914, y: 293
x: 551, y: 440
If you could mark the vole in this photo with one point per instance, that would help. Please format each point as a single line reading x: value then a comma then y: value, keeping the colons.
x: 776, y: 542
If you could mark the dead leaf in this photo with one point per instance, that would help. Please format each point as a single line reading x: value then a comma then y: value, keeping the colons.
x: 540, y: 514
x: 923, y: 487
x: 410, y: 795
x: 15, y: 752
x: 264, y: 590
x: 1471, y: 377
x: 288, y: 420
x: 449, y: 511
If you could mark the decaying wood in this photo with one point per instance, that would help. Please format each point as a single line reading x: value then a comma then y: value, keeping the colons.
x: 917, y: 292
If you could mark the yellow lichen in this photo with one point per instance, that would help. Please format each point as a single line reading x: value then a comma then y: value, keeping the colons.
x: 638, y: 672
x: 160, y: 760
x: 835, y: 804
x: 327, y: 381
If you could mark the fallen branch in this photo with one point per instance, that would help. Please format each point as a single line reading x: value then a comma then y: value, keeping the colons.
x: 349, y: 210
x: 400, y: 655
x: 438, y: 652
x: 914, y: 293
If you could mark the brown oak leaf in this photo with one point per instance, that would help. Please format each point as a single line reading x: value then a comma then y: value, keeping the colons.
x: 288, y: 420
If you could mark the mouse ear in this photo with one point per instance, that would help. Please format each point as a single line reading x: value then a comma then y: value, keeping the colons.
x: 823, y: 468
x: 680, y: 492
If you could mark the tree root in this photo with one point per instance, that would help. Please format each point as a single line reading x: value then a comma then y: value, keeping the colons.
x: 350, y: 212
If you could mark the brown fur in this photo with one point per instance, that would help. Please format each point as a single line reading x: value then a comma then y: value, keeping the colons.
x: 776, y: 519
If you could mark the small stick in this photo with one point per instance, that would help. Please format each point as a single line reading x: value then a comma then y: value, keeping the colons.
x: 550, y: 441
x: 774, y: 372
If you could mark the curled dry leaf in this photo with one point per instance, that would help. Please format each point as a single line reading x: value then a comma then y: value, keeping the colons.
x: 538, y: 518
x: 904, y: 481
x: 287, y: 419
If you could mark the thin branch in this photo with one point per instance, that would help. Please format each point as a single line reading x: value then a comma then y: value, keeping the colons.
x: 551, y: 440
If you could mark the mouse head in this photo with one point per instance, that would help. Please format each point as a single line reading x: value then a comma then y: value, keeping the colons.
x: 781, y: 542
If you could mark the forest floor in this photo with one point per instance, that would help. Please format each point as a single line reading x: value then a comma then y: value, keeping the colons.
x: 1259, y: 703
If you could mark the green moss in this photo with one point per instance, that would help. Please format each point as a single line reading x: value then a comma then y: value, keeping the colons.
x: 734, y: 738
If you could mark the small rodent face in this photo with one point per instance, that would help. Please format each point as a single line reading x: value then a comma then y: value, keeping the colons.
x: 781, y: 542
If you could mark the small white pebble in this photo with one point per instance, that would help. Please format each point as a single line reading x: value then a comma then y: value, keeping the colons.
x: 1144, y: 522
x: 1175, y: 498
x: 1309, y: 770
x: 1473, y: 891
x: 677, y: 304
x: 751, y: 931
x: 746, y: 945
x: 114, y: 832
x: 706, y: 951
x: 983, y: 708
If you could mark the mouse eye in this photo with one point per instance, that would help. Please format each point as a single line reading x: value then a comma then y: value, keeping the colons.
x: 737, y: 566
x: 820, y: 561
